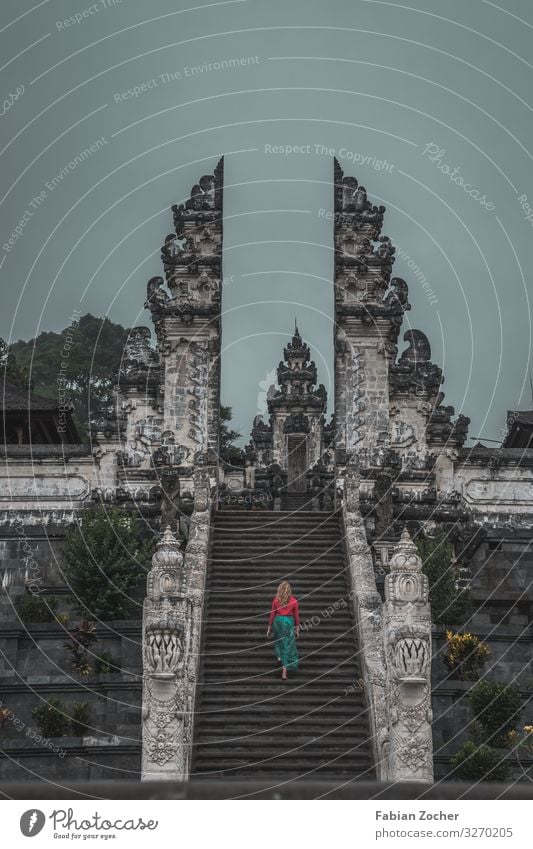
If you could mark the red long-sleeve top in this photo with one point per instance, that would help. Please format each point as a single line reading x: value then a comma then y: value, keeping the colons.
x: 290, y: 609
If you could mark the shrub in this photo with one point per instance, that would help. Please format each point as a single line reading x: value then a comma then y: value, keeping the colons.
x: 81, y: 638
x: 36, y: 608
x: 449, y: 604
x: 465, y: 656
x: 527, y: 742
x: 496, y: 708
x: 51, y: 718
x: 106, y: 663
x: 81, y: 716
x: 479, y: 763
x: 105, y: 562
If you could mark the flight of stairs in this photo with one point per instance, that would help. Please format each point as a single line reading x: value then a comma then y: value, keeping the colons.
x: 296, y: 501
x: 248, y: 722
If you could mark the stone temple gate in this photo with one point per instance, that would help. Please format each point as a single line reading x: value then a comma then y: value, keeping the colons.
x: 340, y: 498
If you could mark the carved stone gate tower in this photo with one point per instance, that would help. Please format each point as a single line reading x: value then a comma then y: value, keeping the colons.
x: 395, y: 639
x: 368, y: 315
x: 187, y: 323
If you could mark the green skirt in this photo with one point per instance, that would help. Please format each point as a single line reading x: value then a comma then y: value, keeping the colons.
x: 285, y: 642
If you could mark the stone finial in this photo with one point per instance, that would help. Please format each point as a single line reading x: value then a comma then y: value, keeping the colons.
x: 405, y: 557
x: 168, y: 540
x: 167, y: 554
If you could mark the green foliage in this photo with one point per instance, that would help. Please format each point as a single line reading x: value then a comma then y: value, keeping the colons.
x: 496, y: 708
x: 106, y: 663
x: 449, y: 605
x: 11, y: 370
x: 55, y: 719
x: 465, y: 656
x: 229, y: 453
x: 479, y: 763
x: 80, y: 718
x: 86, y: 355
x: 51, y: 718
x: 105, y: 562
x: 81, y: 637
x: 36, y: 608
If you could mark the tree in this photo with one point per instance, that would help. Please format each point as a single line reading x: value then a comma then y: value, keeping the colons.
x: 229, y: 452
x: 449, y: 603
x: 81, y: 360
x: 496, y: 708
x: 105, y: 562
x: 11, y: 370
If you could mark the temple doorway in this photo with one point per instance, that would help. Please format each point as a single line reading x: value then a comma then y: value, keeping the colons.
x: 296, y: 462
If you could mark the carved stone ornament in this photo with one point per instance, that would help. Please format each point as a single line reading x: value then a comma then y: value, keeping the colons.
x: 162, y: 748
x: 407, y: 645
x: 411, y: 657
x: 163, y: 646
x: 414, y: 752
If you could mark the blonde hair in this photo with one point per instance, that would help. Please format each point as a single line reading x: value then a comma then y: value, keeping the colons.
x: 284, y: 593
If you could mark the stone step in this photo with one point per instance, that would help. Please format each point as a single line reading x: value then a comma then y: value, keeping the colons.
x: 325, y: 565
x: 280, y: 518
x: 279, y: 778
x: 267, y: 684
x: 280, y: 546
x: 267, y: 583
x: 279, y: 742
x: 274, y: 734
x: 329, y: 648
x: 323, y: 590
x: 269, y: 671
x: 304, y: 757
x: 280, y: 515
x: 229, y: 610
x: 293, y: 761
x: 294, y: 700
x: 329, y: 589
x: 324, y: 652
x: 319, y: 693
x: 310, y: 659
x: 273, y: 538
x: 225, y: 724
x: 247, y: 550
x: 255, y: 629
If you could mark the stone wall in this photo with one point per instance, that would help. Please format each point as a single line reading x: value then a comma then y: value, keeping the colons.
x: 502, y: 594
x: 33, y: 667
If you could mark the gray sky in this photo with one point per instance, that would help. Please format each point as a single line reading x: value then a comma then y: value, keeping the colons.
x: 431, y: 91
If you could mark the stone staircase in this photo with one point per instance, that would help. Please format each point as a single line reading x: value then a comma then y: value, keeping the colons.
x: 248, y: 722
x: 296, y: 501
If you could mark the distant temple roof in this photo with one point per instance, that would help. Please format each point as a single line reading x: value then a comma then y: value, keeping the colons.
x: 30, y: 418
x: 519, y: 429
x: 13, y: 398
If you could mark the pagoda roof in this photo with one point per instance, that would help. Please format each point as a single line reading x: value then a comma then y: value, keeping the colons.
x: 15, y: 399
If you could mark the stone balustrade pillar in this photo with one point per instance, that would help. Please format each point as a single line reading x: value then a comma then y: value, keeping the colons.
x: 407, y: 650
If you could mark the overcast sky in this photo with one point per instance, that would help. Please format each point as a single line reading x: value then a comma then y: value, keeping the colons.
x: 428, y: 104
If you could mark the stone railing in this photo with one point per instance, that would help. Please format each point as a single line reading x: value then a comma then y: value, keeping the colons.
x: 395, y: 646
x: 172, y: 624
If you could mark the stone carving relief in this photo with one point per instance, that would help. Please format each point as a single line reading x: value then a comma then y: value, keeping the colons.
x: 166, y: 615
x: 407, y: 642
x: 197, y: 374
x: 410, y: 657
x: 355, y: 419
x: 163, y: 638
x: 402, y: 435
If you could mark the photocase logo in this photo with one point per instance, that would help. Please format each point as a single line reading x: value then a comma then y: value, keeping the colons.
x: 32, y: 822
